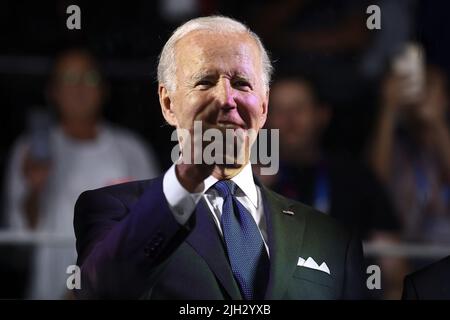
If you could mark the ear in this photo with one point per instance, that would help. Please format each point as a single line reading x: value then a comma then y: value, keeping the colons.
x: 264, y: 110
x: 166, y: 106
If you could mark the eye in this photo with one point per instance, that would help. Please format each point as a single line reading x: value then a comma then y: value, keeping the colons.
x: 204, y: 83
x: 242, y: 84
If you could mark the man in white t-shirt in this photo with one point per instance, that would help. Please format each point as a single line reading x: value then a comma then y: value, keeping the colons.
x: 83, y: 152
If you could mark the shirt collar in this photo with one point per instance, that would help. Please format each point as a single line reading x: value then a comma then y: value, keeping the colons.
x: 244, y: 180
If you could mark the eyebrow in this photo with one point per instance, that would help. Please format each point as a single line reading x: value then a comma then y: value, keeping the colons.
x: 202, y: 75
x: 243, y: 76
x: 209, y: 74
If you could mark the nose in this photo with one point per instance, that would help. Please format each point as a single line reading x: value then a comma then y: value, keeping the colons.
x: 225, y: 95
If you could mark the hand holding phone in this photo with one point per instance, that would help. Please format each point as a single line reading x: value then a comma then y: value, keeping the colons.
x: 39, y: 123
x: 409, y: 69
x: 36, y: 166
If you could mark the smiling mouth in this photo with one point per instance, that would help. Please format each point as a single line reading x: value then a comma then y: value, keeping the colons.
x: 230, y: 125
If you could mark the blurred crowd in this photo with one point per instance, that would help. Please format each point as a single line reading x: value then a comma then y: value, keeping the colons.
x: 363, y: 118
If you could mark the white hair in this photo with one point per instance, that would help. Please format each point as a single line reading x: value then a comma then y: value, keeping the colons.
x: 217, y: 24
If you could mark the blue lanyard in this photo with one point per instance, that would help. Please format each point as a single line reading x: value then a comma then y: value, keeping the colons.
x: 322, y: 190
x: 424, y: 188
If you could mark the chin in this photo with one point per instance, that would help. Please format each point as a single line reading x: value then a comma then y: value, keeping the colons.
x: 227, y: 171
x: 232, y: 166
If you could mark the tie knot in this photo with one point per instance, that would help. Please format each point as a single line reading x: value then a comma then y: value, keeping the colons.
x: 225, y: 188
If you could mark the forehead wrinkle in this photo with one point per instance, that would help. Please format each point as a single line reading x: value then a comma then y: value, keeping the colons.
x: 213, y: 60
x: 202, y: 73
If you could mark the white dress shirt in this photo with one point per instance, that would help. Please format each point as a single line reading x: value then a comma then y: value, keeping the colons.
x: 182, y: 203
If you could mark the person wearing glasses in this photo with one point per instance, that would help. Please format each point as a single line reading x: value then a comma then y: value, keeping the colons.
x: 56, y: 160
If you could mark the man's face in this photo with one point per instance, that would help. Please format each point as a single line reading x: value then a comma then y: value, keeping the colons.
x: 219, y: 82
x: 296, y: 113
x: 76, y: 88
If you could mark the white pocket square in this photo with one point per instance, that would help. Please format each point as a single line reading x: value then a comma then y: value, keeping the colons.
x: 310, y: 263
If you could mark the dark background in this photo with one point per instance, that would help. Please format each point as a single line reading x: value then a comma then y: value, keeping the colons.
x: 127, y: 37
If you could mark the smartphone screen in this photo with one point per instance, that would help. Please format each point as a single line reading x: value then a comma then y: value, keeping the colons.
x: 39, y: 122
x: 409, y: 64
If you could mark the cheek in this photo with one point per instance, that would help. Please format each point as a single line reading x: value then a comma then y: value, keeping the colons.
x: 79, y: 96
x: 94, y: 94
x: 278, y: 121
x: 274, y: 121
x: 90, y: 98
x: 64, y: 93
x: 191, y: 107
x: 251, y: 109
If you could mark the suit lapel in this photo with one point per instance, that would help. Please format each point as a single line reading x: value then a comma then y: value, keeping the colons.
x: 285, y: 241
x: 206, y: 241
x: 285, y: 234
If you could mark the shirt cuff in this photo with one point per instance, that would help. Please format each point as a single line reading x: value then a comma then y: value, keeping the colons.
x: 181, y: 202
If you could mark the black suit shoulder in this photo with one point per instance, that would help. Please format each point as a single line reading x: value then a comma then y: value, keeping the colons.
x: 429, y: 283
x: 94, y: 208
x: 127, y: 192
x: 119, y: 243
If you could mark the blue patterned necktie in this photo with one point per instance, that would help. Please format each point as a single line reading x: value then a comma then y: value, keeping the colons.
x: 244, y: 244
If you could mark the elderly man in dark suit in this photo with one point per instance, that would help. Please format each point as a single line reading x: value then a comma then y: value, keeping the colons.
x: 429, y: 283
x: 211, y: 230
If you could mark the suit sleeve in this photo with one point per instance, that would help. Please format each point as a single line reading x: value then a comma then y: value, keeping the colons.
x: 121, y: 249
x: 409, y: 290
x: 354, y: 280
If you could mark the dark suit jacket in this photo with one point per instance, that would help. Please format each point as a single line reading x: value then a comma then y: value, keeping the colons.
x: 430, y: 283
x: 130, y: 246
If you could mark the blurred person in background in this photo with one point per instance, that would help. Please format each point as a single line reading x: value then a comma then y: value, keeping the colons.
x: 82, y: 151
x: 337, y: 185
x: 326, y: 38
x: 411, y: 150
